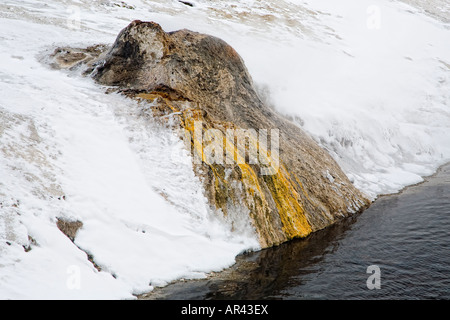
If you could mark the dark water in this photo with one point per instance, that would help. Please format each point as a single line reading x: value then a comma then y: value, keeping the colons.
x: 406, y: 235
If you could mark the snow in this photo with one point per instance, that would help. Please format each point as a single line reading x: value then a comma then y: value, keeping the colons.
x: 377, y: 99
x: 368, y: 80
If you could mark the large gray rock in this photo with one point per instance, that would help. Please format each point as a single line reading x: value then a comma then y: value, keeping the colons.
x: 198, y: 78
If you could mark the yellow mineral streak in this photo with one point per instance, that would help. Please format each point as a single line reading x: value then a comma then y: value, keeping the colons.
x: 288, y: 202
x: 284, y: 194
x: 148, y: 96
x: 282, y: 188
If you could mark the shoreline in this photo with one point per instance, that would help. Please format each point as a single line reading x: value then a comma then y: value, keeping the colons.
x: 243, y: 264
x: 425, y: 179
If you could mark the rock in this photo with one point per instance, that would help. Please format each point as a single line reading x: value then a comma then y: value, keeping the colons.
x: 69, y: 228
x: 203, y: 83
x: 187, y: 3
x: 71, y: 58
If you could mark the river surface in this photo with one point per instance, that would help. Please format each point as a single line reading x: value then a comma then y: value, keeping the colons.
x: 406, y: 235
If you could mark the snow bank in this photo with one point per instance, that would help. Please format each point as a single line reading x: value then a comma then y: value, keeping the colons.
x: 375, y: 91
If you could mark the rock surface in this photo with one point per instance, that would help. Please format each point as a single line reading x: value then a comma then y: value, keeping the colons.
x: 202, y: 84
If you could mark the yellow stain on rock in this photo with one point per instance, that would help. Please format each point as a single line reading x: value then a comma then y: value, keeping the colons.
x: 288, y: 202
x: 148, y: 96
x: 281, y: 186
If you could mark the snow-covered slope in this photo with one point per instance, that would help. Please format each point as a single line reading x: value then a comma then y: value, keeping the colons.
x: 369, y: 80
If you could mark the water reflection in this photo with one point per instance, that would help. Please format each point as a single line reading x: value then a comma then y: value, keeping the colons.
x: 263, y: 274
x: 406, y: 235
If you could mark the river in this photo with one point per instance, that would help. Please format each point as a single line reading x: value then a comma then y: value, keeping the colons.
x: 406, y: 235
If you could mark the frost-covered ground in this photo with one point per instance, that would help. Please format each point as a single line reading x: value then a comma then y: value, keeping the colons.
x: 369, y: 80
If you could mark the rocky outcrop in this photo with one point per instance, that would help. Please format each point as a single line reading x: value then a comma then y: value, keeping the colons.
x: 247, y: 155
